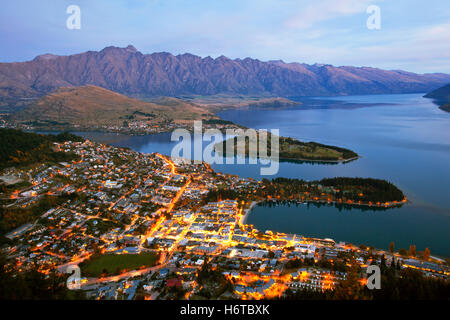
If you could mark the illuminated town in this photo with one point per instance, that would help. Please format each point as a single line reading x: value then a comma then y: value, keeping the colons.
x: 120, y: 203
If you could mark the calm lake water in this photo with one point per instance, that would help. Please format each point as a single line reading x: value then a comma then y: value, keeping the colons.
x: 402, y: 138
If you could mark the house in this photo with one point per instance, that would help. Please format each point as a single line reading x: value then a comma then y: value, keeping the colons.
x: 110, y: 184
x: 199, y: 262
x: 175, y: 282
x: 163, y: 272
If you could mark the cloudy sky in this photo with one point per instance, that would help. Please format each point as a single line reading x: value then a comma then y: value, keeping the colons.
x: 414, y: 34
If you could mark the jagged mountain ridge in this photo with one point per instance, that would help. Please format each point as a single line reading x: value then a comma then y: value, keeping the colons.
x: 129, y: 72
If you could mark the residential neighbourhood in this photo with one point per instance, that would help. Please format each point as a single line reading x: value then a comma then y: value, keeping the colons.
x: 119, y: 203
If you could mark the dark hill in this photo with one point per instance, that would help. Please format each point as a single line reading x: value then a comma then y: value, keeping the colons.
x: 441, y: 96
x: 18, y: 148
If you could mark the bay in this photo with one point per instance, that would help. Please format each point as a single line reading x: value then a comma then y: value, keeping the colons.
x: 401, y: 138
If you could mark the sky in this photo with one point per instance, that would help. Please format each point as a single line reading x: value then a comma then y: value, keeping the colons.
x: 414, y: 35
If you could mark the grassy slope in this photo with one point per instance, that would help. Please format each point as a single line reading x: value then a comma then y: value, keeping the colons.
x: 92, y: 106
x: 224, y: 101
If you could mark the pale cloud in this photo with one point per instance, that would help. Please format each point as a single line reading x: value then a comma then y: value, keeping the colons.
x: 421, y: 45
x: 421, y: 49
x: 434, y: 34
x: 291, y: 48
x: 318, y: 11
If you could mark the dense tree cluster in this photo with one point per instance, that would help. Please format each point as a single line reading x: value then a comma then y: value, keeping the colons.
x: 311, y: 147
x: 355, y: 189
x: 365, y: 189
x: 222, y: 194
x: 18, y: 148
x: 216, y: 121
x: 212, y: 282
x: 33, y: 285
x: 408, y: 284
x: 396, y: 284
x: 11, y: 218
x: 286, y: 188
x: 337, y: 265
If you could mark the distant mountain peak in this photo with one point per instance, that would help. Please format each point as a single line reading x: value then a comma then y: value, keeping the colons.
x: 131, y: 48
x: 223, y: 58
x: 46, y: 56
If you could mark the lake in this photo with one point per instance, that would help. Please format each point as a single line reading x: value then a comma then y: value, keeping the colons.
x: 401, y: 138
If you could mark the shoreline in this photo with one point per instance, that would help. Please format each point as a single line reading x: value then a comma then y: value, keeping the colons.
x: 136, y: 134
x: 440, y: 257
x: 355, y: 205
x: 322, y: 161
x: 294, y: 160
x: 247, y: 211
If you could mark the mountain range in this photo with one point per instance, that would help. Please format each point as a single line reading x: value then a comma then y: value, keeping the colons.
x: 128, y: 71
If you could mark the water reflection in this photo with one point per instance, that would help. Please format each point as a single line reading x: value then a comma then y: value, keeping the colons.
x: 401, y: 138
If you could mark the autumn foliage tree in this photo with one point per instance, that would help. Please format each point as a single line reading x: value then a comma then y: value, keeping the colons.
x: 350, y: 288
x: 426, y: 254
x: 412, y: 250
x: 391, y: 247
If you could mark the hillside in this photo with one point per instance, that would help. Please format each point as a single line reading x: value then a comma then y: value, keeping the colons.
x: 129, y: 72
x: 445, y: 107
x: 90, y: 107
x: 290, y: 149
x: 441, y: 96
x: 221, y: 101
x: 18, y: 148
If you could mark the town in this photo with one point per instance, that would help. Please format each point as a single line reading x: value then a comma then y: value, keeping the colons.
x: 144, y: 226
x: 128, y: 126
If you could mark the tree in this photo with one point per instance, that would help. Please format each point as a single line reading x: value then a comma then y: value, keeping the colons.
x: 32, y: 284
x: 412, y: 250
x: 383, y: 262
x: 391, y: 247
x: 95, y: 248
x: 426, y: 254
x: 393, y: 264
x: 350, y: 288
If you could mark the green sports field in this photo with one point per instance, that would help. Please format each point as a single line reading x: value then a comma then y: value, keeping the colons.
x: 112, y: 264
